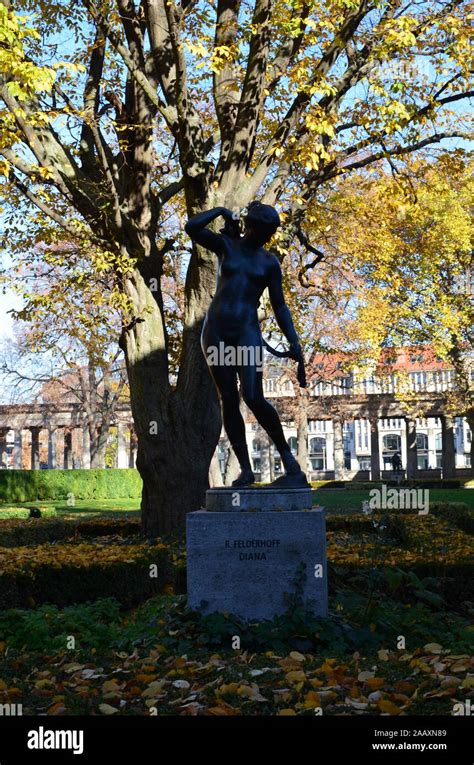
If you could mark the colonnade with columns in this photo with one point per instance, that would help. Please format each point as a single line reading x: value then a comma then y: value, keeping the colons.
x: 339, y: 454
x: 32, y: 447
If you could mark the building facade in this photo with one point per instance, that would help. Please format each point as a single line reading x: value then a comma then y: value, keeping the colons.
x: 356, y: 421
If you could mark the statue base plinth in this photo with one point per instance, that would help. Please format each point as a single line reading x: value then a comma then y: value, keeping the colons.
x: 253, y: 565
x: 233, y: 499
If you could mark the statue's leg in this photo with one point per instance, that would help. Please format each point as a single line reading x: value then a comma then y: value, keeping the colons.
x: 251, y: 381
x: 225, y: 378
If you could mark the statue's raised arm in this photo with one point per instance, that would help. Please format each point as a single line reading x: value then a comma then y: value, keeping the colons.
x: 196, y: 228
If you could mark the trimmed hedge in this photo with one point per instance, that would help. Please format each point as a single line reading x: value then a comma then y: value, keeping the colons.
x: 18, y: 533
x: 413, y: 483
x: 78, y: 572
x: 33, y: 485
x: 456, y: 513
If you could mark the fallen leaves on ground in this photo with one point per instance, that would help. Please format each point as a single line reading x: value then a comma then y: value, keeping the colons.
x: 394, y: 683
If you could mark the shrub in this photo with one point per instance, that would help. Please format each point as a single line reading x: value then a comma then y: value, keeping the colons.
x: 18, y: 532
x: 32, y: 485
x: 46, y: 628
x: 456, y: 513
x: 77, y: 572
x: 395, y: 530
x: 413, y: 483
x: 354, y: 524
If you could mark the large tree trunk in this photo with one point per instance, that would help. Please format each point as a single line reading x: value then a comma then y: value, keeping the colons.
x: 177, y: 427
x: 98, y: 442
x: 215, y: 475
x: 174, y: 469
x: 302, y: 429
x: 232, y: 468
x: 470, y: 422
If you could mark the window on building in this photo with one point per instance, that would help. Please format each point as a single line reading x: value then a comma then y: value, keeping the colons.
x: 256, y: 446
x: 317, y: 445
x: 422, y: 442
x: 392, y: 442
x: 293, y: 444
x: 364, y: 463
x: 317, y: 453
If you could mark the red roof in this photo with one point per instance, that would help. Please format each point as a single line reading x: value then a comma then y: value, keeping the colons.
x: 414, y: 358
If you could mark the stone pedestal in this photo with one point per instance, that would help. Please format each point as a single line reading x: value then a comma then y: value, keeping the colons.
x: 249, y: 564
x: 253, y: 500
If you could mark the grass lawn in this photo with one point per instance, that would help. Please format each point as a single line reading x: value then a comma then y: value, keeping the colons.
x: 332, y: 499
x: 84, y: 507
x: 347, y: 499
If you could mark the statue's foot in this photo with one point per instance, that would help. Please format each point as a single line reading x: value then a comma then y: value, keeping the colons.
x: 291, y: 481
x: 246, y: 478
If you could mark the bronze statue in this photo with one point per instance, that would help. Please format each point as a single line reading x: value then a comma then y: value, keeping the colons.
x: 231, y: 323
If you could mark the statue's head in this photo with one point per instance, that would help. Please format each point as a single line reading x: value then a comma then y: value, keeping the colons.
x: 261, y: 222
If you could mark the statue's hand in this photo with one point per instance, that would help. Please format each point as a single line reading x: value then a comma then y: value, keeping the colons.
x: 301, y: 374
x: 297, y: 354
x: 228, y: 215
x: 232, y: 226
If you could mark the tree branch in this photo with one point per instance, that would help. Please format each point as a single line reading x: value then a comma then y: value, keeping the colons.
x: 285, y: 56
x: 400, y: 150
x: 42, y: 206
x: 303, y: 98
x: 168, y: 113
x: 91, y: 101
x: 242, y: 144
x: 224, y: 87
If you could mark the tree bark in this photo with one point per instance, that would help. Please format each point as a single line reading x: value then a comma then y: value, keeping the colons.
x: 177, y: 427
x: 215, y: 475
x: 470, y: 422
x: 232, y: 468
x: 98, y: 441
x: 302, y: 429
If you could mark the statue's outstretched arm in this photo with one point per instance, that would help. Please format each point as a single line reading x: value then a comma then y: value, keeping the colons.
x: 196, y: 229
x: 280, y: 308
x: 284, y: 320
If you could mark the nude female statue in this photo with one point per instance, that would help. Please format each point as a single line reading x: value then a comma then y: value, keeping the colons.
x: 245, y: 270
